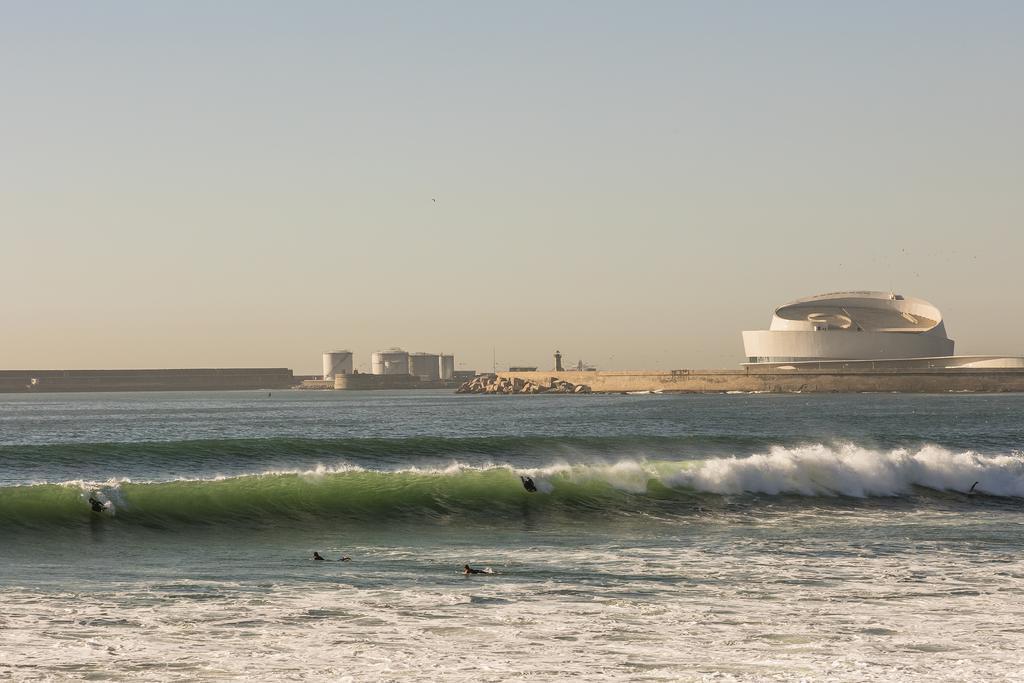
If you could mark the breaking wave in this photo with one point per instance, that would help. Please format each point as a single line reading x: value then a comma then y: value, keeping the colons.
x: 852, y: 471
x: 495, y: 491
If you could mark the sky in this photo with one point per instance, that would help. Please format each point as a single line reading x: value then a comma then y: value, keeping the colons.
x: 229, y: 184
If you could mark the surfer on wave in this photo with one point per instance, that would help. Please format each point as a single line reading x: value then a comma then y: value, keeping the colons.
x: 96, y: 505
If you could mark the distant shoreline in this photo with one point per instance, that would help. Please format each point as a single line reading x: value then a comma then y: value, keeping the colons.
x: 774, y: 381
x: 746, y: 380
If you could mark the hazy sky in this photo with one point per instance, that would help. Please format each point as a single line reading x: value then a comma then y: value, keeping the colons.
x: 252, y: 183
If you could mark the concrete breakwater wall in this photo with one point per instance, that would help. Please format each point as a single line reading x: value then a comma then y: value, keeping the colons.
x: 365, y: 382
x: 792, y: 381
x: 187, y: 379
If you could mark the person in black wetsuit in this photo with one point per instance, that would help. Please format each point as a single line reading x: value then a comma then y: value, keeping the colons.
x: 528, y: 484
x: 466, y: 569
x: 316, y: 556
x: 96, y: 505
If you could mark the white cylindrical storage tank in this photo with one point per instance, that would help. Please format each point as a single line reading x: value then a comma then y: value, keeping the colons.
x: 426, y: 366
x: 337, y: 363
x: 447, y: 367
x: 390, y: 362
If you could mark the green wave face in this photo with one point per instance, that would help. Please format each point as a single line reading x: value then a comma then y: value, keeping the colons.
x: 357, y: 495
x: 495, y: 492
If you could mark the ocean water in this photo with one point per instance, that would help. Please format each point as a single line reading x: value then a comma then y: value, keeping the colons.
x: 741, y: 537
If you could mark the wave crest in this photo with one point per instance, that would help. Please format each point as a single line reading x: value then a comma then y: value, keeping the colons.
x: 850, y: 470
x: 494, y: 491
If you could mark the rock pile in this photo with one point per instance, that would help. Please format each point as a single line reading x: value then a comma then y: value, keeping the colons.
x: 492, y: 384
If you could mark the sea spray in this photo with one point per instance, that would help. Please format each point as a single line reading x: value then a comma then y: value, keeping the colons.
x: 850, y: 470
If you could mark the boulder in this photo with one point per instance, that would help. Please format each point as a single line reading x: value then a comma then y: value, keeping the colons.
x: 492, y: 384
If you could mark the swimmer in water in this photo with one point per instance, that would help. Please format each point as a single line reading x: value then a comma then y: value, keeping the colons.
x: 466, y: 569
x: 344, y: 558
x: 96, y: 505
x: 528, y: 484
x: 316, y: 556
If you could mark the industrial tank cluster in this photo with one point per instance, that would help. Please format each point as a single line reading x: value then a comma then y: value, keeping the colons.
x: 394, y: 361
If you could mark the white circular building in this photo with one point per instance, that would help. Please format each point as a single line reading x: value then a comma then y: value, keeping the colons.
x: 850, y: 326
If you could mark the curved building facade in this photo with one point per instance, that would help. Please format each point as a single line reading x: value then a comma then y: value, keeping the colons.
x: 850, y: 326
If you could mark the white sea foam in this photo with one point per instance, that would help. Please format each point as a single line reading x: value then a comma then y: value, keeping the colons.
x: 851, y: 470
x: 813, y: 470
x: 753, y: 609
